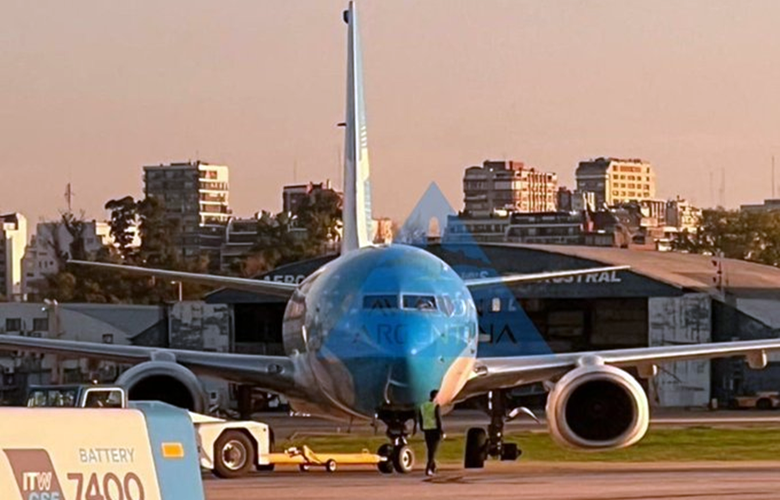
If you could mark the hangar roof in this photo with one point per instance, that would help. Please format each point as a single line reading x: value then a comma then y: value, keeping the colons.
x: 683, y: 270
x: 753, y: 288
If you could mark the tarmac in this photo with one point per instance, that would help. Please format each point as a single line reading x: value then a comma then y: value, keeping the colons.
x: 710, y: 480
x: 517, y: 480
x: 285, y: 426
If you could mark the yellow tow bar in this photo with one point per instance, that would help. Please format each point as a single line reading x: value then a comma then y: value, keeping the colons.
x: 305, y: 458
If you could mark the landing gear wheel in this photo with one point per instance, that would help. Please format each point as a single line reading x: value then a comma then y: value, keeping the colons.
x: 330, y: 465
x: 303, y: 467
x: 385, y: 466
x: 476, y: 448
x: 403, y: 459
x: 233, y: 454
x: 764, y: 404
x: 510, y: 451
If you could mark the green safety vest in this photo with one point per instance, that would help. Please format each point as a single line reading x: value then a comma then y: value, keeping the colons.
x: 428, y: 412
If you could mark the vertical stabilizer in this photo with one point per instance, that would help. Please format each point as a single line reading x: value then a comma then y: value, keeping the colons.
x: 357, y: 186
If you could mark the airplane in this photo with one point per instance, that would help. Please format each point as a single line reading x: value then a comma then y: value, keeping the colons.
x: 368, y: 335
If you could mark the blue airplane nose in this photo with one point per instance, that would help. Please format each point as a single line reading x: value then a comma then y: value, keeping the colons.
x: 422, y: 363
x: 424, y: 372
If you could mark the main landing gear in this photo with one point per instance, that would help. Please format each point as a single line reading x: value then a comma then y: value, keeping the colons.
x: 400, y: 457
x: 480, y: 444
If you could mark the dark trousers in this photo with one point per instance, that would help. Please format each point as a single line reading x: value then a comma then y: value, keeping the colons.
x: 432, y: 438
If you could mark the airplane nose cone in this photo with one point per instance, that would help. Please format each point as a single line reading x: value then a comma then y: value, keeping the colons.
x: 412, y: 379
x: 397, y: 362
x: 420, y: 368
x: 424, y: 373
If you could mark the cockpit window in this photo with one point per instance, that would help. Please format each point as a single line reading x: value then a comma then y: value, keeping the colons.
x: 420, y: 302
x: 380, y: 302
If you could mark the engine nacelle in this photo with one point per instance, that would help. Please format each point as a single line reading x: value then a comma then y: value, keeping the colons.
x: 164, y: 381
x: 597, y: 407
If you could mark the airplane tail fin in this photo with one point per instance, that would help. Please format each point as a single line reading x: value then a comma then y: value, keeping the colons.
x: 357, y: 187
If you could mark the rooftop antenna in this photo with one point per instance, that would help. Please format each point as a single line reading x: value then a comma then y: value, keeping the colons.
x: 712, y: 188
x: 773, y: 177
x: 722, y: 197
x: 295, y: 171
x: 69, y: 194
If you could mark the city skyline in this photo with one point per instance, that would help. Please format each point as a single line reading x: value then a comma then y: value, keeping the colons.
x: 94, y: 94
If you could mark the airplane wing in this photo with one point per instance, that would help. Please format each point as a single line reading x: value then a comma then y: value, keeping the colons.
x: 273, y: 373
x: 532, y: 277
x: 246, y: 284
x: 506, y: 372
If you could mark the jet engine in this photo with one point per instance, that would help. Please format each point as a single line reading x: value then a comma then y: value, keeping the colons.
x: 164, y: 381
x: 597, y: 407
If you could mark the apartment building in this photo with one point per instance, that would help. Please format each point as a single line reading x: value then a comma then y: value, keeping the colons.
x: 614, y: 180
x: 196, y: 199
x: 508, y: 185
x: 40, y: 256
x: 13, y: 239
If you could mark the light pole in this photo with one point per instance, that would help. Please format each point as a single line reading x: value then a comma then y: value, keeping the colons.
x: 181, y: 291
x: 52, y: 307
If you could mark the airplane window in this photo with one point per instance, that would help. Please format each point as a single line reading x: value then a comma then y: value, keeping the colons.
x: 380, y: 302
x: 420, y: 302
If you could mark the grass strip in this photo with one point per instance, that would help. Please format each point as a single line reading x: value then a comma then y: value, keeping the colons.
x: 660, y: 445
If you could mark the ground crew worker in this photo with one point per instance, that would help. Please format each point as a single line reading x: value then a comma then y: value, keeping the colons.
x: 430, y: 423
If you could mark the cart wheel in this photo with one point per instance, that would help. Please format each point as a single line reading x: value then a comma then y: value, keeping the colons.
x: 303, y: 467
x: 330, y: 465
x: 234, y: 454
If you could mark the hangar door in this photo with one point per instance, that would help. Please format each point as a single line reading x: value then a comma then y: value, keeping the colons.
x: 679, y: 321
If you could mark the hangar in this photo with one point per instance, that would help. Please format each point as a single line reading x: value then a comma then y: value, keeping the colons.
x: 665, y: 298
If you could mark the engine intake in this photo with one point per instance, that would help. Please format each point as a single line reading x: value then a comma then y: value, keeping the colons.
x: 167, y: 382
x: 597, y: 407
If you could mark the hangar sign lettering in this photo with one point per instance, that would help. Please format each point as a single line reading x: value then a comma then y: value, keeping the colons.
x: 599, y: 277
x: 286, y: 278
x: 602, y: 277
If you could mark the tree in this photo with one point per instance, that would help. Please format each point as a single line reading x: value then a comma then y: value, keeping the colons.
x: 320, y: 214
x: 73, y: 282
x: 124, y: 217
x: 752, y: 236
x: 157, y: 235
x: 284, y: 238
x: 78, y: 283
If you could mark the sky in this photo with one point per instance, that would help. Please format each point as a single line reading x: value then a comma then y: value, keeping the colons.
x: 91, y: 91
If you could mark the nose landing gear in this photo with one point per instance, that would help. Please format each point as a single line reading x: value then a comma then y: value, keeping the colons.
x: 400, y: 457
